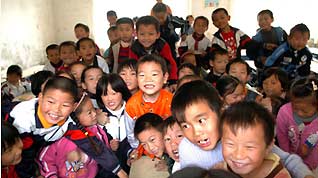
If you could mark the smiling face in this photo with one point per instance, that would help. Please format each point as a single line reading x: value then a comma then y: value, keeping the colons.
x: 152, y: 141
x: 91, y: 78
x: 53, y: 56
x: 221, y: 20
x: 87, y: 51
x: 200, y: 26
x: 272, y: 86
x: 147, y: 35
x: 12, y: 155
x: 245, y: 151
x: 172, y: 140
x: 87, y: 117
x: 265, y: 21
x: 129, y: 76
x: 68, y: 54
x: 125, y: 32
x: 112, y: 100
x: 201, y: 125
x: 56, y: 105
x: 80, y: 33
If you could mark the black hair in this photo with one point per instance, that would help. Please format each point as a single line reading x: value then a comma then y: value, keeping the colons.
x: 9, y: 136
x: 280, y: 74
x: 217, y: 51
x: 148, y: 121
x: 189, y: 78
x: 266, y: 11
x: 168, y: 123
x: 246, y: 114
x: 159, y: 8
x: 111, y: 13
x: 51, y: 47
x: 153, y: 58
x: 61, y: 72
x: 62, y: 83
x: 111, y: 29
x: 148, y: 20
x: 302, y: 28
x: 38, y: 79
x: 197, y: 172
x: 14, y: 69
x: 83, y: 76
x: 80, y: 25
x: 78, y: 44
x: 125, y: 20
x: 67, y: 43
x: 305, y: 87
x: 238, y: 60
x: 190, y: 66
x: 201, y: 18
x: 227, y: 84
x: 188, y: 16
x: 77, y: 63
x: 116, y: 83
x: 129, y: 63
x: 194, y: 92
x: 219, y: 10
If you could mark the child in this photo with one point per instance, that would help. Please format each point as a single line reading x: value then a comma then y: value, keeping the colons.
x: 187, y: 69
x: 186, y: 79
x: 190, y: 20
x: 111, y: 17
x: 52, y: 54
x: 82, y: 31
x: 38, y: 81
x: 297, y: 122
x: 149, y: 42
x: 87, y: 50
x: 120, y: 50
x: 113, y: 37
x: 247, y: 139
x: 189, y: 57
x: 269, y: 37
x: 89, y: 79
x: 112, y: 95
x: 127, y: 71
x: 218, y: 59
x: 197, y: 42
x: 228, y: 37
x: 231, y: 90
x: 152, y: 74
x: 197, y: 172
x: 68, y: 55
x: 11, y: 149
x: 293, y: 56
x: 76, y: 70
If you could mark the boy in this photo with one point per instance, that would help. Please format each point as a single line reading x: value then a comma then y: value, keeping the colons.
x: 67, y: 52
x: 111, y: 17
x: 152, y: 74
x: 293, y: 56
x: 127, y: 71
x: 82, y: 31
x: 218, y: 59
x: 149, y: 42
x: 113, y: 37
x: 52, y: 54
x: 247, y: 131
x: 228, y: 37
x: 120, y: 50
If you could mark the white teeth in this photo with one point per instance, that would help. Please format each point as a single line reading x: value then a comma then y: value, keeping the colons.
x: 203, y: 141
x: 149, y: 86
x: 53, y: 115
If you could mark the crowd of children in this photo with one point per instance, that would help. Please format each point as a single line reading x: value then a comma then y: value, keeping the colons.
x: 195, y: 114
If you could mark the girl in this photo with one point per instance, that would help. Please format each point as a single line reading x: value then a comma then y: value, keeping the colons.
x: 230, y: 89
x: 112, y: 95
x: 89, y: 78
x: 297, y: 122
x: 11, y: 149
x: 76, y: 70
x: 87, y: 49
x: 127, y: 71
x: 64, y: 158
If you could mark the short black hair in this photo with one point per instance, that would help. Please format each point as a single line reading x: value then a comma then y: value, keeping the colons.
x: 197, y: 172
x: 125, y: 20
x: 219, y: 10
x: 266, y: 11
x: 148, y: 121
x: 190, y: 66
x: 246, y: 114
x: 111, y: 29
x: 280, y: 74
x: 153, y: 58
x: 159, y: 8
x: 111, y: 13
x: 38, y: 79
x: 14, y: 69
x: 194, y: 92
x: 83, y: 76
x: 168, y: 123
x: 129, y: 63
x: 80, y: 25
x: 216, y: 51
x: 148, y: 20
x: 240, y: 61
x: 201, y: 18
x: 188, y: 16
x: 227, y: 84
x: 78, y: 44
x: 67, y: 43
x: 51, y: 47
x: 302, y: 28
x: 9, y: 136
x: 305, y: 87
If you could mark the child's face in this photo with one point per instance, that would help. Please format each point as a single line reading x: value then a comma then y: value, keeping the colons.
x: 272, y: 86
x: 68, y: 54
x: 244, y: 151
x: 152, y: 141
x: 112, y: 20
x: 88, y: 115
x: 219, y: 63
x: 125, y: 32
x: 13, y: 78
x: 265, y: 21
x: 76, y: 71
x: 221, y: 20
x: 113, y: 100
x: 298, y: 40
x: 201, y: 125
x: 91, y: 78
x: 56, y: 105
x: 87, y: 50
x: 304, y: 107
x: 129, y: 76
x: 190, y: 58
x: 162, y: 17
x: 12, y: 155
x: 239, y: 71
x: 147, y: 35
x: 151, y: 78
x: 80, y: 33
x: 185, y: 71
x: 113, y: 36
x: 53, y: 56
x: 190, y: 20
x: 172, y: 140
x: 200, y: 26
x: 236, y: 96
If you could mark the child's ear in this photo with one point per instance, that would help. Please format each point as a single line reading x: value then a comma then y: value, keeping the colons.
x: 270, y: 147
x: 165, y: 77
x: 40, y: 97
x: 158, y: 35
x: 211, y: 63
x: 84, y: 86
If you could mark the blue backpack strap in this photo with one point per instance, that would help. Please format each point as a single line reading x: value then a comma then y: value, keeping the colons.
x: 276, y: 54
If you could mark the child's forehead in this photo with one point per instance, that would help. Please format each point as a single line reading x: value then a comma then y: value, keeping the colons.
x: 87, y: 43
x: 147, y: 27
x: 153, y: 64
x: 127, y: 68
x: 238, y: 65
x: 299, y: 34
x: 67, y: 48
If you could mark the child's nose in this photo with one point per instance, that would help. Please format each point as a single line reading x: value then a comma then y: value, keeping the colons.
x: 239, y: 153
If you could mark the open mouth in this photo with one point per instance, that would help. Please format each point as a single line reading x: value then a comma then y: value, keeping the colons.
x: 204, y: 143
x: 149, y: 86
x: 175, y: 153
x: 53, y: 116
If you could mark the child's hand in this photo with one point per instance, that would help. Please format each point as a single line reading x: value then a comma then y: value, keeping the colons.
x: 161, y: 166
x: 102, y: 117
x: 267, y: 103
x: 122, y: 174
x: 270, y: 46
x: 133, y: 156
x: 114, y: 143
x: 73, y: 156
